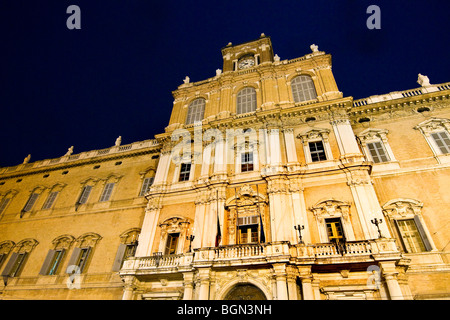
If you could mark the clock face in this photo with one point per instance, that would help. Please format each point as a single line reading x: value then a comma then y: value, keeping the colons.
x: 246, y: 63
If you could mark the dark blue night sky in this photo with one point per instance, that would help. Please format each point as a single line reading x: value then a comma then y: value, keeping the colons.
x: 62, y: 87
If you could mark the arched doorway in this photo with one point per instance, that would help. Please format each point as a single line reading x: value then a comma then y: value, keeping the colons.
x: 245, y: 292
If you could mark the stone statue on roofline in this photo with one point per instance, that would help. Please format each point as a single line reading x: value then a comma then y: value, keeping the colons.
x: 69, y: 151
x: 423, y: 80
x: 27, y: 159
x: 118, y: 141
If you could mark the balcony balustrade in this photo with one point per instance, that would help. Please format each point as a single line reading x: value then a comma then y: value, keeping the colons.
x: 248, y: 254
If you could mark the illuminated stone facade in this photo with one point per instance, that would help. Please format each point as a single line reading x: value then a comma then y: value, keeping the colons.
x: 267, y: 183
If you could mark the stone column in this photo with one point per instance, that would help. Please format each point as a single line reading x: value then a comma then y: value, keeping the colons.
x: 366, y: 202
x: 204, y: 276
x: 163, y: 167
x: 291, y: 283
x: 348, y: 147
x: 147, y: 235
x: 129, y: 288
x: 281, y: 277
x: 188, y: 285
x: 389, y: 273
x: 289, y: 140
x: 306, y: 278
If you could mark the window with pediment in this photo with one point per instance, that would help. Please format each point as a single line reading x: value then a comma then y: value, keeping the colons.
x: 245, y: 213
x: 316, y: 145
x: 82, y: 252
x: 173, y: 235
x: 56, y: 255
x: 375, y: 145
x: 406, y: 222
x: 437, y: 133
x: 333, y: 220
x: 19, y: 257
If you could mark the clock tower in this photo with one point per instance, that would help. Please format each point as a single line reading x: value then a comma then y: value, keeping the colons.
x: 247, y: 55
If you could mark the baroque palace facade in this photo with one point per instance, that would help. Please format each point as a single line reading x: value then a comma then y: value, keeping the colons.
x: 267, y: 183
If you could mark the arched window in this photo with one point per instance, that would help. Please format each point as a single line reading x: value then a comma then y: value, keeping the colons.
x: 196, y: 111
x: 246, y: 100
x: 303, y: 88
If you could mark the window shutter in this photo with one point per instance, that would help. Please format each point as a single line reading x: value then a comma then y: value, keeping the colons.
x: 3, y: 204
x: 47, y: 261
x: 85, y: 194
x: 119, y: 257
x: 107, y: 192
x: 10, y: 264
x: 73, y: 258
x: 84, y: 263
x: 50, y: 200
x: 400, y: 235
x: 422, y: 233
x: 30, y: 203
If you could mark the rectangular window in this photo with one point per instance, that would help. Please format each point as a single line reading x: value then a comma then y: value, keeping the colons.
x: 18, y: 264
x: 52, y: 262
x: 410, y: 234
x: 82, y: 258
x: 124, y: 252
x: 247, y: 161
x: 442, y: 140
x: 50, y: 200
x: 56, y: 261
x: 185, y: 171
x: 146, y: 186
x: 30, y: 203
x: 85, y: 194
x: 171, y: 243
x: 107, y: 191
x: 377, y: 152
x: 317, y: 151
x: 248, y: 234
x: 334, y: 229
x: 3, y: 204
x: 78, y: 260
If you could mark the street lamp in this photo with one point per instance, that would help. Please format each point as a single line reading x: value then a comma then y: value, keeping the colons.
x: 377, y: 222
x: 190, y: 239
x: 299, y: 228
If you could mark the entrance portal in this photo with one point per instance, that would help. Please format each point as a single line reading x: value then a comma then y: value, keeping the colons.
x: 245, y: 292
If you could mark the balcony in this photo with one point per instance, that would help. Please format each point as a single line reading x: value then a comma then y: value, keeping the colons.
x: 267, y: 253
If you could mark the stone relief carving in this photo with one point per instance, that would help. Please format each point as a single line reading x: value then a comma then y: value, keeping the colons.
x: 331, y: 208
x: 401, y: 208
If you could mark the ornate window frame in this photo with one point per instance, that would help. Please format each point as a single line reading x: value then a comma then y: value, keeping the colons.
x: 331, y: 208
x: 174, y: 225
x: 5, y: 248
x: 313, y: 135
x: 243, y: 146
x: 20, y: 251
x: 91, y: 182
x: 127, y: 247
x: 38, y: 190
x: 372, y: 135
x: 86, y: 241
x: 304, y: 79
x: 60, y: 245
x: 56, y: 188
x: 253, y: 101
x: 147, y: 178
x: 435, y: 125
x: 9, y: 195
x: 194, y: 109
x: 406, y: 209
